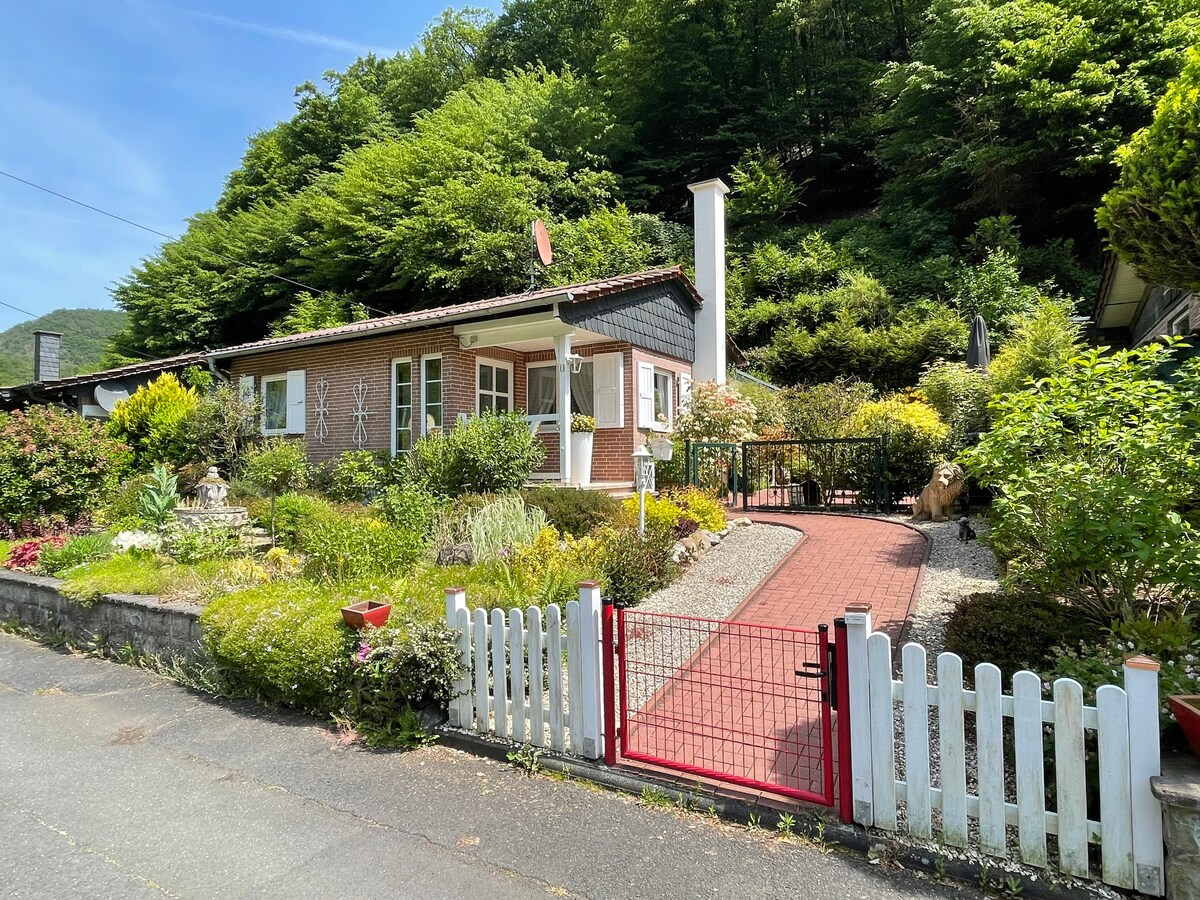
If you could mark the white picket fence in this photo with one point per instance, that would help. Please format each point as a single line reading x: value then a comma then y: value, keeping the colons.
x: 1124, y: 721
x: 515, y: 684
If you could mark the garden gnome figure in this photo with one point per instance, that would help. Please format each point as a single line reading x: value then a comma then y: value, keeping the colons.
x: 212, y: 490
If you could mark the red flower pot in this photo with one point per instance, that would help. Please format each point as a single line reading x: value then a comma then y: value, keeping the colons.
x: 1186, y: 709
x: 369, y: 612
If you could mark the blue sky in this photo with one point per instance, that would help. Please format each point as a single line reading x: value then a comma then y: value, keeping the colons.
x: 142, y: 108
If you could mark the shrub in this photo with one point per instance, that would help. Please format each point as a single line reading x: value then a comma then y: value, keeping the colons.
x: 703, y: 509
x: 573, y: 512
x: 550, y: 568
x: 917, y: 439
x: 55, y: 463
x: 398, y: 668
x: 716, y: 413
x: 283, y: 642
x: 661, y: 513
x: 960, y: 396
x: 1012, y: 631
x: 123, y: 509
x: 152, y: 422
x: 1095, y: 477
x: 159, y: 497
x: 502, y: 525
x: 77, y: 551
x: 356, y: 476
x: 297, y: 513
x: 277, y: 465
x: 201, y: 543
x: 1172, y: 641
x: 824, y: 410
x: 220, y: 427
x: 27, y: 555
x: 345, y: 548
x: 1041, y: 345
x: 491, y: 453
x: 633, y: 567
x: 407, y: 507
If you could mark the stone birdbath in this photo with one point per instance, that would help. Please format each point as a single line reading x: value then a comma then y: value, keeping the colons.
x: 209, y: 508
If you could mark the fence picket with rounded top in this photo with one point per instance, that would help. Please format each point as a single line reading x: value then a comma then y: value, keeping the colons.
x: 554, y: 672
x: 1116, y: 824
x: 499, y: 675
x: 952, y: 749
x: 989, y: 737
x: 482, y: 692
x: 883, y: 730
x: 916, y: 741
x: 537, y: 675
x: 1030, y: 768
x: 516, y: 665
x: 1070, y: 780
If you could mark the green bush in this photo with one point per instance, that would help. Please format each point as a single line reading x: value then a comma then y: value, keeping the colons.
x: 346, y: 548
x: 491, y: 453
x: 357, y: 476
x: 824, y: 410
x: 276, y: 466
x: 407, y: 507
x: 77, y: 551
x: 960, y: 395
x: 1012, y: 631
x: 160, y: 496
x: 55, y: 463
x: 201, y: 543
x: 573, y: 512
x: 633, y: 567
x: 917, y: 440
x: 221, y: 427
x: 123, y: 508
x: 152, y: 422
x: 297, y: 513
x: 1041, y: 345
x: 1096, y: 484
x: 284, y: 642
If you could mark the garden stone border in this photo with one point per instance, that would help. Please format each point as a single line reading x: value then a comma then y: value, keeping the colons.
x: 146, y: 624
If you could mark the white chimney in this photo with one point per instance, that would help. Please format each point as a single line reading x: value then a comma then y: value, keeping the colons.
x: 710, y: 279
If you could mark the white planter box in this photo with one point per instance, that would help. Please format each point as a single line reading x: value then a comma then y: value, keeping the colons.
x: 581, y: 458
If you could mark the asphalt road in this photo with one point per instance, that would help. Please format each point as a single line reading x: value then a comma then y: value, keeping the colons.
x: 116, y: 783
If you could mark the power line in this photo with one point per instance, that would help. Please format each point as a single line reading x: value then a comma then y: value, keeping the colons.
x: 161, y: 234
x: 78, y: 331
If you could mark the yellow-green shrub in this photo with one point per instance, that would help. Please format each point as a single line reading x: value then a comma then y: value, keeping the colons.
x: 917, y: 438
x: 702, y: 508
x: 152, y: 421
x: 661, y: 513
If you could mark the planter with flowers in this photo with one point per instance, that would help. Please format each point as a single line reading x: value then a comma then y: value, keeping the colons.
x: 583, y: 433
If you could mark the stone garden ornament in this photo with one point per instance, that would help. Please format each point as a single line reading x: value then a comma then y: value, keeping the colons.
x: 212, y: 490
x: 939, y: 495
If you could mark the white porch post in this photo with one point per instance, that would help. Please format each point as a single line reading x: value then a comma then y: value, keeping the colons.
x: 562, y: 350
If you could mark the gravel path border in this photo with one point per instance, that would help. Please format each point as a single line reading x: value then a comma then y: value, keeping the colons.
x: 715, y: 585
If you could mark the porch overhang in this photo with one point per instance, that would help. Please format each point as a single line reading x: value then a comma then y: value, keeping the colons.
x: 542, y: 326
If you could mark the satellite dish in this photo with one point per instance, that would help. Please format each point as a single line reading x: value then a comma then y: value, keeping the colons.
x: 541, y: 243
x: 108, y: 393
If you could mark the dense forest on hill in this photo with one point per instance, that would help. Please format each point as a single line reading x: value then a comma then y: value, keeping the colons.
x: 86, y: 336
x: 898, y: 165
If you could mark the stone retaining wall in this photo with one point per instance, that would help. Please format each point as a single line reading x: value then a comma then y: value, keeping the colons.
x: 145, y: 623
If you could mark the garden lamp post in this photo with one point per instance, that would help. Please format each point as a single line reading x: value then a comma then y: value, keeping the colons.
x: 643, y: 474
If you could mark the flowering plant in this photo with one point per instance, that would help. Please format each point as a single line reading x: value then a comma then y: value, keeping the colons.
x: 143, y: 541
x: 716, y: 413
x: 24, y: 556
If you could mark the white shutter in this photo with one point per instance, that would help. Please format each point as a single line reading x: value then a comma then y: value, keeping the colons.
x: 685, y: 389
x: 246, y: 388
x: 295, y: 402
x: 645, y: 382
x: 608, y: 389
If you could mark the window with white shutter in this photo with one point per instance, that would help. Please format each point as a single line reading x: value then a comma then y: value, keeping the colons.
x: 645, y: 396
x: 685, y: 388
x: 296, y: 406
x: 608, y: 389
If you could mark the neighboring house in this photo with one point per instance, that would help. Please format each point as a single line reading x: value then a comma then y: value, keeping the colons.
x: 623, y: 350
x: 92, y: 395
x: 1130, y: 313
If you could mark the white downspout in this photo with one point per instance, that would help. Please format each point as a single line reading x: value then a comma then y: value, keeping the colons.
x: 562, y: 352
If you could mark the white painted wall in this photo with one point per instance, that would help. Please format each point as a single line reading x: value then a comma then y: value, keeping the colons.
x: 710, y: 279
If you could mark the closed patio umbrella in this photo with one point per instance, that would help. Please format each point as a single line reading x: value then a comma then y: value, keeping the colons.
x: 979, y: 356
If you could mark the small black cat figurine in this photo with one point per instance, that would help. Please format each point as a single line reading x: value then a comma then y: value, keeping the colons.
x: 965, y: 531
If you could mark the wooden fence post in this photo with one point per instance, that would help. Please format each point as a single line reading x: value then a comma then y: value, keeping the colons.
x: 461, y: 709
x: 858, y: 629
x: 590, y: 664
x: 1145, y: 762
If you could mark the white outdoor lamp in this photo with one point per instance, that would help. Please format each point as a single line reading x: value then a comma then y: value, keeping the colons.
x: 643, y: 474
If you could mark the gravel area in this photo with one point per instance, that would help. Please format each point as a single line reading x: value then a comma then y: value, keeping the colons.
x: 713, y: 586
x: 955, y: 569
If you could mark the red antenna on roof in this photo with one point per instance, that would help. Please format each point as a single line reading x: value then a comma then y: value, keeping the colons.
x: 540, y: 251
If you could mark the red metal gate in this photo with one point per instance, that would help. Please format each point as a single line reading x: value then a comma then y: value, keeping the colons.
x: 742, y: 703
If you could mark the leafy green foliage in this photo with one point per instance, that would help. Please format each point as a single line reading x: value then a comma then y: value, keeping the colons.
x: 407, y: 507
x: 221, y: 426
x: 960, y: 395
x: 200, y: 543
x: 77, y: 551
x: 312, y: 312
x: 824, y: 410
x: 1013, y: 631
x: 85, y: 332
x: 152, y: 422
x: 1096, y: 480
x: 573, y: 512
x: 491, y: 453
x: 356, y: 476
x: 502, y: 525
x: 917, y: 439
x: 1153, y: 214
x: 633, y: 567
x: 342, y: 548
x: 55, y: 463
x: 159, y: 497
x: 1041, y: 345
x: 716, y: 413
x: 275, y: 466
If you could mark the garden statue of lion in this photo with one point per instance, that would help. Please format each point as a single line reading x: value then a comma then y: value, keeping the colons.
x: 939, y: 495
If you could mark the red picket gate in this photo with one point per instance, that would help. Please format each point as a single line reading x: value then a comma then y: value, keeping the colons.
x: 732, y: 701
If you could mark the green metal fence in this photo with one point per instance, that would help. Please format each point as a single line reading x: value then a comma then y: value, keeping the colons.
x: 713, y: 467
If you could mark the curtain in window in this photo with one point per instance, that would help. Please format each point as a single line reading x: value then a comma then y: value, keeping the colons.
x: 541, y: 391
x: 583, y: 400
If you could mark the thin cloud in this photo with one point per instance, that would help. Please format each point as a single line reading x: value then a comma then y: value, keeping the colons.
x: 280, y: 32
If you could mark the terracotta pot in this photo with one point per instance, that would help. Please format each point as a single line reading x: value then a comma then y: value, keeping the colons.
x: 369, y: 612
x: 1186, y: 709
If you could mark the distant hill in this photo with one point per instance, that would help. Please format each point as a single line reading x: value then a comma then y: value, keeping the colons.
x: 85, y: 332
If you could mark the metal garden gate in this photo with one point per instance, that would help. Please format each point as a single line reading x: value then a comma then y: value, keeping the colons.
x: 732, y: 701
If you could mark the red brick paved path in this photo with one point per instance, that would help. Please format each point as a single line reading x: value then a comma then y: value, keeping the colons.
x: 724, y: 699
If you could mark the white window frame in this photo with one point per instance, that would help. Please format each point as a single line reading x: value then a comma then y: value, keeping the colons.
x: 1175, y: 327
x: 544, y: 418
x: 266, y: 380
x: 425, y: 394
x: 396, y: 363
x: 669, y: 404
x: 481, y: 361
